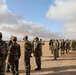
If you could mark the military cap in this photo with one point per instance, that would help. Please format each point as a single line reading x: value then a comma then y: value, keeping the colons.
x: 37, y: 38
x: 14, y: 38
x: 25, y: 37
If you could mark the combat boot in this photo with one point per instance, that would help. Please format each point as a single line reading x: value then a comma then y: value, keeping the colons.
x: 38, y: 68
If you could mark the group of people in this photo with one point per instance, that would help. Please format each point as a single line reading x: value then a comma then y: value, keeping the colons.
x: 12, y: 52
x: 62, y: 46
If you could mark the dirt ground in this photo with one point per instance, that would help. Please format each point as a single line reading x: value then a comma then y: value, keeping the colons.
x: 65, y: 65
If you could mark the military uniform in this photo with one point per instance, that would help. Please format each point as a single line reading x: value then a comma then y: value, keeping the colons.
x: 15, y: 53
x: 55, y: 49
x: 3, y: 55
x: 38, y: 54
x: 42, y: 43
x: 51, y: 46
x: 62, y: 47
x: 67, y: 46
x: 27, y: 53
x: 9, y: 43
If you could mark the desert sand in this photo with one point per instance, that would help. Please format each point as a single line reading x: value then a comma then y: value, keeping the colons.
x: 64, y: 65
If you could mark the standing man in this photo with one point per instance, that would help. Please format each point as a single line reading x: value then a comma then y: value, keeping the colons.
x: 42, y: 43
x: 27, y: 54
x: 15, y: 53
x: 8, y: 48
x: 38, y: 53
x: 51, y: 46
x: 3, y: 55
x: 55, y: 46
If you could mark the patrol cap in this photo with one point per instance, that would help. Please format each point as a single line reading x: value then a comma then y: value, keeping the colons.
x: 25, y: 37
x: 37, y: 38
x: 14, y: 38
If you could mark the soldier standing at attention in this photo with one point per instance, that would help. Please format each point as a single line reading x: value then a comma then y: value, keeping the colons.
x: 3, y: 55
x: 15, y: 53
x: 27, y: 53
x: 42, y: 43
x: 9, y: 43
x: 38, y: 53
x: 55, y: 46
x: 51, y: 46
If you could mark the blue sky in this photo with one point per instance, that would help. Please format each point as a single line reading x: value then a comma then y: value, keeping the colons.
x: 34, y: 11
x: 48, y: 19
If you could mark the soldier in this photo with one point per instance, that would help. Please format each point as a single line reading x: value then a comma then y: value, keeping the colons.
x: 3, y: 55
x: 15, y: 53
x: 27, y: 53
x: 51, y: 46
x: 8, y: 46
x: 42, y: 43
x: 55, y: 49
x: 62, y: 46
x: 67, y: 46
x: 38, y: 53
x: 33, y: 42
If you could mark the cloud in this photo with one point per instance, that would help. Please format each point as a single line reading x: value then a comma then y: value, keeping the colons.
x: 61, y: 9
x: 14, y: 24
x: 64, y: 10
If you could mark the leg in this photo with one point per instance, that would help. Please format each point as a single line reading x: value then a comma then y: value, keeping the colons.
x: 38, y: 62
x: 2, y: 69
x: 16, y: 67
x: 27, y: 65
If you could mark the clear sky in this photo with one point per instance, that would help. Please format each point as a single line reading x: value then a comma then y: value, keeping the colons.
x: 42, y: 18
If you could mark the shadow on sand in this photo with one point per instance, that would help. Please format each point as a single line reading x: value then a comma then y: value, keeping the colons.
x: 58, y: 70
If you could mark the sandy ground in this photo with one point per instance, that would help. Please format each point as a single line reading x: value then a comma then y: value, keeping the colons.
x: 65, y: 65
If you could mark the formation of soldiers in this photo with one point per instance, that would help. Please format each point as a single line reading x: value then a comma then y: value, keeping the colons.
x: 61, y: 46
x: 12, y: 52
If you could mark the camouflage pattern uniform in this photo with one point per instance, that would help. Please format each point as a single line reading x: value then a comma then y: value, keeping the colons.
x: 3, y: 55
x: 55, y: 49
x: 51, y: 46
x: 42, y: 43
x: 67, y: 46
x: 15, y: 53
x: 9, y: 43
x: 38, y: 54
x: 62, y: 46
x: 27, y: 53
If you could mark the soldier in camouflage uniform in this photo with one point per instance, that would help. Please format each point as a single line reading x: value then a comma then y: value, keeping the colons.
x: 38, y: 53
x: 55, y: 47
x: 3, y: 55
x: 27, y: 53
x: 9, y: 43
x: 62, y: 46
x: 67, y: 46
x: 42, y: 43
x: 15, y: 53
x: 51, y: 46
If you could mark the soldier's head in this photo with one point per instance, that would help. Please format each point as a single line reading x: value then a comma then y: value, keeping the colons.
x: 40, y: 40
x: 37, y: 39
x: 25, y: 38
x: 0, y: 35
x: 14, y: 39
